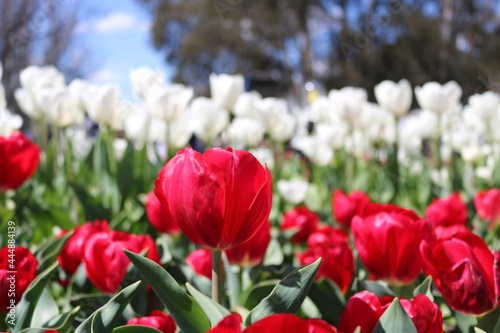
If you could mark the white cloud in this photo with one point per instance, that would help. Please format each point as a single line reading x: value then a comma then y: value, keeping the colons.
x: 115, y: 22
x: 105, y: 75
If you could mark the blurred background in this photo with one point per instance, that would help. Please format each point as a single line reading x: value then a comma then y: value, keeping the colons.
x: 278, y: 46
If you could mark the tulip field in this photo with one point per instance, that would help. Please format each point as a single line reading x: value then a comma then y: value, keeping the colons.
x: 158, y: 210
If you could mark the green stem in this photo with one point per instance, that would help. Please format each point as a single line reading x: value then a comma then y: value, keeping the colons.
x: 217, y: 276
x: 109, y: 138
x: 167, y: 143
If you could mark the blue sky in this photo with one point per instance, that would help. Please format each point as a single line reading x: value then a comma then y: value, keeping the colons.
x: 116, y: 36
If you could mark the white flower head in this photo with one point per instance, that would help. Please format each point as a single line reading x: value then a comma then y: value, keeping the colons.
x: 225, y: 89
x: 293, y: 191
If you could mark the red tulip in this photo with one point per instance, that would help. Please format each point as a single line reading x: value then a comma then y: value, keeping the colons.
x: 388, y: 245
x: 303, y: 219
x: 219, y: 199
x: 447, y: 211
x: 488, y: 205
x: 19, y: 159
x: 365, y: 303
x: 71, y: 255
x: 158, y: 217
x: 277, y: 323
x: 201, y: 262
x: 337, y: 259
x: 377, y: 208
x: 425, y: 314
x: 326, y: 234
x: 156, y: 319
x: 104, y: 259
x: 251, y: 252
x: 17, y: 270
x: 441, y: 232
x: 464, y: 270
x: 345, y: 207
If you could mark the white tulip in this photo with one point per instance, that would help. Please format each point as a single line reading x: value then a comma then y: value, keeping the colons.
x: 246, y: 105
x: 120, y: 147
x: 26, y: 103
x: 322, y: 111
x: 438, y: 98
x: 77, y: 89
x: 225, y: 89
x: 209, y: 119
x: 80, y: 141
x: 331, y: 134
x: 169, y: 102
x: 102, y: 103
x: 38, y: 84
x: 348, y: 103
x: 275, y: 118
x: 9, y: 122
x: 486, y: 105
x: 181, y: 131
x: 394, y: 97
x: 136, y: 125
x: 144, y: 80
x: 63, y: 109
x: 245, y: 132
x: 264, y: 155
x: 315, y: 149
x: 293, y: 191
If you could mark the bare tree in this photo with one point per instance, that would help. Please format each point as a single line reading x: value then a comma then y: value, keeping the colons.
x: 34, y: 32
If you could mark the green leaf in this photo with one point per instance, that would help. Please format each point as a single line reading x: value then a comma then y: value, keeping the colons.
x: 490, y: 322
x: 274, y: 254
x: 105, y: 318
x: 214, y: 311
x: 425, y: 288
x: 328, y: 299
x: 377, y: 288
x: 258, y: 292
x: 288, y: 295
x: 46, y: 309
x: 186, y: 312
x: 395, y: 320
x: 93, y: 209
x: 47, y: 253
x: 135, y: 329
x: 63, y: 322
x: 26, y: 307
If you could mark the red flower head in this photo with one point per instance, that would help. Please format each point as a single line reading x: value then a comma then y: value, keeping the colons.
x: 345, y: 207
x: 464, y: 270
x: 388, y: 244
x: 277, y: 323
x: 425, y: 314
x: 303, y: 219
x: 219, y: 199
x: 447, y: 211
x: 17, y: 270
x: 19, y: 159
x: 71, y: 255
x: 158, y: 217
x: 488, y: 205
x: 251, y: 252
x: 201, y: 262
x: 332, y: 245
x: 156, y: 319
x: 104, y: 259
